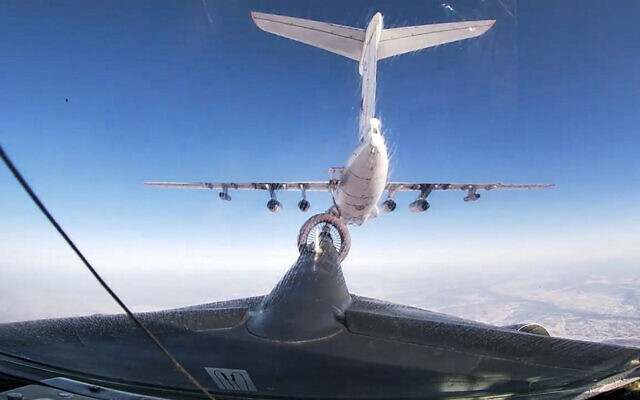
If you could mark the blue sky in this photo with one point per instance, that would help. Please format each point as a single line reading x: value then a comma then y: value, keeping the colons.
x: 163, y: 91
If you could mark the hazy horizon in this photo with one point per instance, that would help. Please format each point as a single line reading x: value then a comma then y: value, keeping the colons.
x: 101, y: 96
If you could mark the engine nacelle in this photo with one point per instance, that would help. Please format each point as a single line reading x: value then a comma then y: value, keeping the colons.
x: 224, y: 196
x: 274, y: 206
x: 418, y: 206
x: 472, y: 197
x: 304, y: 205
x: 388, y: 205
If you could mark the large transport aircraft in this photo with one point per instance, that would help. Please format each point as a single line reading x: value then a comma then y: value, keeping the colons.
x: 357, y: 188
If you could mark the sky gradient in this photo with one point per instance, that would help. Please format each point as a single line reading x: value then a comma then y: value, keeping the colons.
x: 193, y: 91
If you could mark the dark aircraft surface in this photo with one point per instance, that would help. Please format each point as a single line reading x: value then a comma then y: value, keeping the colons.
x: 311, y: 338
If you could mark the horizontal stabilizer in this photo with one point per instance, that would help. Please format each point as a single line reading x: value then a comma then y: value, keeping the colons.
x: 398, y: 41
x: 339, y: 39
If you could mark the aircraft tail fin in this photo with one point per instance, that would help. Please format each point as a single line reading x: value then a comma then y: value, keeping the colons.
x: 368, y: 46
x: 339, y: 39
x: 396, y: 41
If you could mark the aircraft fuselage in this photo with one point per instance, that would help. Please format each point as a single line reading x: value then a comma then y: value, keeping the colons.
x: 364, y: 178
x: 365, y: 174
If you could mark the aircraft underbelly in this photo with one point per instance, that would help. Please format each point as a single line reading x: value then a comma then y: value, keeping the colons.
x: 363, y: 182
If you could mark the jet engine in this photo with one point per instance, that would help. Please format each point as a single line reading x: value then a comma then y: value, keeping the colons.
x: 274, y: 206
x: 224, y: 196
x: 418, y: 206
x: 472, y: 197
x: 388, y: 205
x: 304, y: 205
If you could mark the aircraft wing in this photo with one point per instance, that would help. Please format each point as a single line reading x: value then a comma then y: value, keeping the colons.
x: 471, y: 188
x: 415, y: 186
x: 325, y: 186
x: 332, y: 184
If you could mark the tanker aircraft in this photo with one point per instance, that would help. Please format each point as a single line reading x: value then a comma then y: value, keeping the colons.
x: 357, y: 188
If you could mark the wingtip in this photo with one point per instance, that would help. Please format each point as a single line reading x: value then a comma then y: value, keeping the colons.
x: 490, y: 24
x: 256, y: 16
